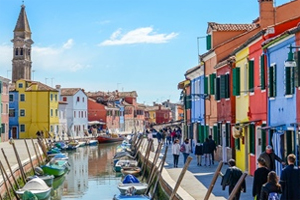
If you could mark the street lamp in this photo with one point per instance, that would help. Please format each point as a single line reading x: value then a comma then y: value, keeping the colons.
x: 290, y: 62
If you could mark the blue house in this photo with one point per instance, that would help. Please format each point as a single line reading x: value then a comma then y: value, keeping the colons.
x: 281, y: 97
x: 13, y: 115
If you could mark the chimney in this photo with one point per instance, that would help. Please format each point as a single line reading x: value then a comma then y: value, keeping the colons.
x: 58, y: 87
x: 266, y: 13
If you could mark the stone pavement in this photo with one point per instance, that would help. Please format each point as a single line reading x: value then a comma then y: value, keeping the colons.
x: 205, y: 174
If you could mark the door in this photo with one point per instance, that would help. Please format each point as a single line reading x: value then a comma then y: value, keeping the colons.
x: 258, y: 141
x: 246, y: 143
x: 14, y: 132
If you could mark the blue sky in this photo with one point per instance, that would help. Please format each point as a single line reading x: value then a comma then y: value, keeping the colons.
x: 105, y: 45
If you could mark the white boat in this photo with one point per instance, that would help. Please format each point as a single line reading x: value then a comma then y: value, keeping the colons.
x: 36, y: 186
x: 140, y: 188
x: 125, y: 163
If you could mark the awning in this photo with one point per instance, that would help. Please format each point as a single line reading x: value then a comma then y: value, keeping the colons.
x: 272, y: 127
x: 183, y: 84
x: 246, y: 123
x: 295, y: 124
x: 95, y: 123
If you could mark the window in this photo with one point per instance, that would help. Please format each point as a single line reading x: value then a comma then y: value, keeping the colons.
x: 237, y: 144
x: 20, y: 85
x: 51, y: 128
x: 251, y: 75
x: 206, y: 85
x: 1, y: 86
x: 64, y: 98
x: 228, y: 133
x: 246, y: 78
x: 22, y: 112
x: 22, y: 97
x: 218, y: 89
x: 17, y: 51
x: 78, y: 99
x: 289, y: 81
x: 11, y: 97
x: 55, y: 96
x: 2, y: 128
x: 51, y: 112
x: 236, y: 81
x: 82, y: 99
x: 272, y: 81
x: 187, y: 102
x: 51, y: 97
x: 262, y: 73
x: 56, y: 112
x: 11, y: 112
x: 29, y: 52
x: 74, y: 114
x: 22, y: 127
x: 21, y: 51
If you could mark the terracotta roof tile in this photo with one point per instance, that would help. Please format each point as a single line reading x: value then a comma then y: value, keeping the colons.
x: 212, y: 26
x: 69, y: 91
x: 40, y: 87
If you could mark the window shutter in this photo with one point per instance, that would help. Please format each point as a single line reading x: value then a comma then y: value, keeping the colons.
x: 201, y: 133
x: 288, y: 80
x: 251, y: 76
x: 228, y: 133
x: 217, y: 94
x: 297, y: 70
x: 208, y: 42
x: 227, y: 86
x: 187, y: 101
x: 236, y: 81
x: 274, y: 80
x: 270, y: 82
x: 205, y: 85
x: 263, y: 137
x: 237, y: 143
x: 215, y: 134
x: 212, y: 78
x: 222, y: 86
x: 252, y: 138
x: 262, y: 72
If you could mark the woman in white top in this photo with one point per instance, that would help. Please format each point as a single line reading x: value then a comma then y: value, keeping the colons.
x: 176, y: 152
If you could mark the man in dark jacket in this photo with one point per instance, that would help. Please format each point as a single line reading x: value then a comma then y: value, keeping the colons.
x: 269, y: 156
x: 212, y: 148
x: 290, y: 180
x: 231, y: 177
x: 260, y: 177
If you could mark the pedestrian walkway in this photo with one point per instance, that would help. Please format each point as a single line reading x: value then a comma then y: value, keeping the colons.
x: 204, y: 175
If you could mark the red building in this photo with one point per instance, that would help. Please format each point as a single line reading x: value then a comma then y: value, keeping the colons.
x: 163, y: 115
x: 96, y: 112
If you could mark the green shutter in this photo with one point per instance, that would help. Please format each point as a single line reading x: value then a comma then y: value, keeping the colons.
x: 222, y: 86
x: 227, y: 86
x: 262, y: 72
x: 205, y: 85
x: 251, y: 76
x: 217, y: 94
x: 187, y: 102
x: 263, y: 137
x: 237, y: 143
x: 270, y: 82
x: 288, y: 80
x: 212, y: 78
x: 274, y: 81
x: 215, y: 134
x: 252, y: 138
x: 208, y: 42
x: 228, y: 133
x: 236, y: 81
x: 201, y: 133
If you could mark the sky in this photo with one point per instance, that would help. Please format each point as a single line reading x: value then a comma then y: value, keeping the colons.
x: 126, y: 45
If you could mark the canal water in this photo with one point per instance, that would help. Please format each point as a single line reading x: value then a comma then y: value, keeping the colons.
x: 91, y: 175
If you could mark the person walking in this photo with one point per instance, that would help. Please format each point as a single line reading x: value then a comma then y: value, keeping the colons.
x: 271, y: 189
x: 231, y: 177
x: 212, y: 149
x: 269, y: 156
x: 187, y: 150
x: 199, y: 152
x: 175, y: 152
x: 260, y: 177
x: 206, y: 152
x: 290, y: 180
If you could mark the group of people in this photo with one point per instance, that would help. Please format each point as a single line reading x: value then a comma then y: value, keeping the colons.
x: 206, y: 151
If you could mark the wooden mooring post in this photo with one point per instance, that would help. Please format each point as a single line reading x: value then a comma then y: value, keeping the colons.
x: 19, y: 161
x: 7, y: 189
x: 213, y: 181
x: 36, y: 154
x: 183, y: 171
x: 158, y: 149
x: 10, y: 170
x: 29, y: 154
x: 145, y: 163
x: 11, y: 185
x: 237, y: 187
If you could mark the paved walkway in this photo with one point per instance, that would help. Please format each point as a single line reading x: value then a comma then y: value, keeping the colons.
x: 205, y: 175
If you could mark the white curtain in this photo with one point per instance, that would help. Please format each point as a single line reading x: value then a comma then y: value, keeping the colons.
x: 276, y: 141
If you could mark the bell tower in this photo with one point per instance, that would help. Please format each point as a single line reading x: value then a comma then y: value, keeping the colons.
x: 21, y: 62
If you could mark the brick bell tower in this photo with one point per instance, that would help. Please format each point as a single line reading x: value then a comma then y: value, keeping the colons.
x: 21, y: 62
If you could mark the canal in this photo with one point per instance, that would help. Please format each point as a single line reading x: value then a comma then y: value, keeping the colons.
x: 91, y: 175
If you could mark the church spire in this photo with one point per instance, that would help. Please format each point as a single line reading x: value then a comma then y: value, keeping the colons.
x: 21, y: 63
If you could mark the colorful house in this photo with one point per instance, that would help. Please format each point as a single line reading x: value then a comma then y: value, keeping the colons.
x: 14, y: 128
x: 4, y: 99
x: 185, y: 86
x: 36, y: 110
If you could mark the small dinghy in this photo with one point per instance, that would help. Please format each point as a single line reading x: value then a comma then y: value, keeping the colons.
x: 125, y: 163
x: 36, y: 186
x: 131, y: 170
x: 132, y: 183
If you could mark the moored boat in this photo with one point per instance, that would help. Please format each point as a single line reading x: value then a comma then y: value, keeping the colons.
x: 109, y: 138
x: 131, y: 170
x: 55, y: 167
x: 125, y: 163
x: 37, y: 187
x: 48, y: 179
x: 130, y: 197
x: 131, y: 183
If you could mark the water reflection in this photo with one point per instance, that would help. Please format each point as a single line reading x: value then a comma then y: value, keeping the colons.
x: 91, y: 175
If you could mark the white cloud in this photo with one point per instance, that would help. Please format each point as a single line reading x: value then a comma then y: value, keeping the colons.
x: 140, y: 35
x: 68, y: 44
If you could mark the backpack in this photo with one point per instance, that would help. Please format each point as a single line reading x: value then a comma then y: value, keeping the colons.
x: 273, y: 196
x: 182, y: 148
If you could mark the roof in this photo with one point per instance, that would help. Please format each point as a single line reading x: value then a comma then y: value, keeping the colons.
x: 40, y: 87
x: 128, y: 94
x: 213, y: 26
x: 22, y: 23
x: 69, y: 91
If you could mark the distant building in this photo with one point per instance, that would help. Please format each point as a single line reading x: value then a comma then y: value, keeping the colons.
x: 176, y: 109
x: 4, y: 99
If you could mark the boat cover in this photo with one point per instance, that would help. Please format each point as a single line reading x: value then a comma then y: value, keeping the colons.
x: 130, y: 179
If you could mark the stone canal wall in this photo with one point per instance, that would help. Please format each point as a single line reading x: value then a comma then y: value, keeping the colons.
x: 189, y: 189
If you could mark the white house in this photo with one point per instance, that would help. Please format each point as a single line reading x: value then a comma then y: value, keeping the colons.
x: 76, y: 110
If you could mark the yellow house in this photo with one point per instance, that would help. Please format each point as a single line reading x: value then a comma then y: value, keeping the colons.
x: 38, y: 109
x: 241, y: 91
